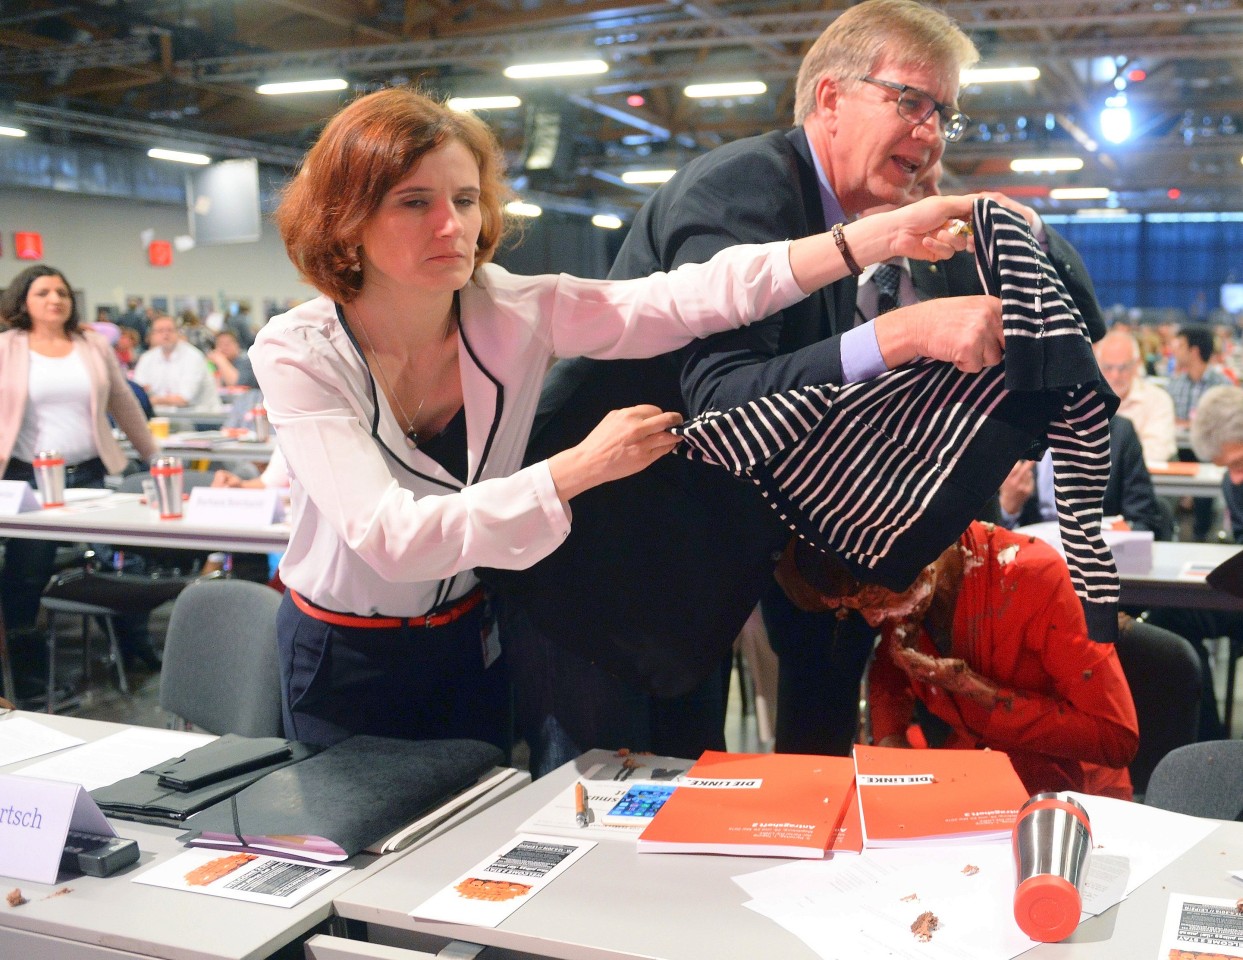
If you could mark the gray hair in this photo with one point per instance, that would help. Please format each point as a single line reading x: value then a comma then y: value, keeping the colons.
x: 1218, y: 420
x: 900, y: 31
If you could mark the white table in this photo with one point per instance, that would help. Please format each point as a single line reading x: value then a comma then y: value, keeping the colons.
x: 1165, y: 585
x: 223, y: 450
x: 1205, y: 482
x: 216, y: 416
x: 114, y: 919
x: 123, y: 518
x: 616, y: 904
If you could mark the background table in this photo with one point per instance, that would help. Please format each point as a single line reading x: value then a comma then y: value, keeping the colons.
x: 616, y: 904
x: 122, y: 518
x: 1166, y: 586
x: 1205, y: 482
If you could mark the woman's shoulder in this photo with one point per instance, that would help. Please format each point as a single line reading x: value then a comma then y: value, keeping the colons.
x: 315, y: 317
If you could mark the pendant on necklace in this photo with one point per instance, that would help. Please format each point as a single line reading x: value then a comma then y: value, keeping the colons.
x: 412, y: 439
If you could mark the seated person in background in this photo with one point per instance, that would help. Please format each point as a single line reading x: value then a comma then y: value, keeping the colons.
x: 991, y: 639
x: 1193, y: 353
x: 232, y: 365
x: 1026, y: 495
x: 174, y: 373
x: 1147, y: 406
x: 275, y: 474
x: 1216, y: 437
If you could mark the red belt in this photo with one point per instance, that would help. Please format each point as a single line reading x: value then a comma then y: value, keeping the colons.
x: 439, y: 619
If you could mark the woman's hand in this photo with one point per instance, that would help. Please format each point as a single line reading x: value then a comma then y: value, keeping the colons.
x: 223, y: 478
x: 623, y: 443
x: 947, y: 673
x: 934, y: 228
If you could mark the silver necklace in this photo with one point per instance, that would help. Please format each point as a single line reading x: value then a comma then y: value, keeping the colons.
x: 411, y: 435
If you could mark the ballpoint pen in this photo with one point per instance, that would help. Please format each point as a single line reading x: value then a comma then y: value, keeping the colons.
x: 582, y: 815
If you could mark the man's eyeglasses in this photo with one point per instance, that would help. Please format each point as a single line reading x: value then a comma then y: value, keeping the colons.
x: 915, y: 106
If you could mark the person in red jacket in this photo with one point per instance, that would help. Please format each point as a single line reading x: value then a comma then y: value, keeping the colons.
x: 991, y: 639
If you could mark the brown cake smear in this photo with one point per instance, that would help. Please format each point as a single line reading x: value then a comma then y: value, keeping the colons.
x: 924, y: 926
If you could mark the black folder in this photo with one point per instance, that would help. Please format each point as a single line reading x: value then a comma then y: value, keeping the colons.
x: 351, y: 794
x: 212, y: 772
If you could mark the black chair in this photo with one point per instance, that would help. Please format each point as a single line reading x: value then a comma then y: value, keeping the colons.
x: 1201, y: 779
x: 89, y: 592
x: 1164, y: 674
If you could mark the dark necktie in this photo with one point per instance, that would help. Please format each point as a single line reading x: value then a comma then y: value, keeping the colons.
x: 886, y: 279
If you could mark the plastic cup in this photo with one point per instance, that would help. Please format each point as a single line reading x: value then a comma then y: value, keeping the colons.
x: 259, y: 421
x: 158, y: 427
x: 50, y: 478
x: 169, y: 477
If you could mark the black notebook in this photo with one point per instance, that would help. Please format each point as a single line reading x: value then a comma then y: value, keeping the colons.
x: 343, y: 799
x: 174, y: 790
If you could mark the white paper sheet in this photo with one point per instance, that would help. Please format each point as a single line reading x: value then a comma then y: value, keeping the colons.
x: 21, y: 739
x: 493, y: 889
x: 864, y: 906
x: 1201, y: 926
x: 241, y: 876
x: 109, y: 759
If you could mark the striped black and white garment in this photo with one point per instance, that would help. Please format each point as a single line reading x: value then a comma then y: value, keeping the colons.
x: 888, y: 473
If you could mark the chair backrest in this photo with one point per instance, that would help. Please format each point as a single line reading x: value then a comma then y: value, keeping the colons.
x: 221, y: 671
x: 1163, y: 672
x: 132, y: 483
x: 1202, y: 779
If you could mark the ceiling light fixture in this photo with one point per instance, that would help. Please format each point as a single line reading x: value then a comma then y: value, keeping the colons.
x: 647, y: 176
x: 1079, y: 193
x: 12, y: 132
x: 484, y: 103
x: 564, y: 68
x: 737, y: 88
x: 178, y: 156
x: 520, y: 209
x: 301, y: 86
x: 607, y: 221
x: 998, y: 75
x: 1046, y: 164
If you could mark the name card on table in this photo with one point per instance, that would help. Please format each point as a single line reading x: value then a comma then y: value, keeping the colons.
x: 17, y: 496
x: 36, y: 816
x: 234, y: 506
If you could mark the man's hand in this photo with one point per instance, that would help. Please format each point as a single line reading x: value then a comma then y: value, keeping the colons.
x: 1017, y: 488
x: 223, y: 478
x: 964, y: 331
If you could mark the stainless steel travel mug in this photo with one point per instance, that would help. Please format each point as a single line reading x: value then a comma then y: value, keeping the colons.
x: 169, y: 477
x: 50, y: 477
x: 1052, y: 839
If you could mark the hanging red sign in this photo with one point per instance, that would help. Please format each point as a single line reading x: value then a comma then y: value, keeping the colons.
x: 160, y: 253
x: 28, y: 245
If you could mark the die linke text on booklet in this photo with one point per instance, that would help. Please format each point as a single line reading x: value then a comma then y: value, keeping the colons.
x: 928, y: 796
x: 759, y: 805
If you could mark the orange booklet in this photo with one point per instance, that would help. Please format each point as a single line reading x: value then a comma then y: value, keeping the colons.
x: 935, y: 795
x: 759, y: 805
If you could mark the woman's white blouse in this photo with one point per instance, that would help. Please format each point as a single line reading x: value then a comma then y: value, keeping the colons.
x: 381, y: 528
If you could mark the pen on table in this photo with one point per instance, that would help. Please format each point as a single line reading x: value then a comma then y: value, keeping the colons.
x: 581, y: 814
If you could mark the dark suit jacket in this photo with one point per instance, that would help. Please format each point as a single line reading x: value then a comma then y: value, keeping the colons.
x: 661, y: 569
x: 1129, y: 492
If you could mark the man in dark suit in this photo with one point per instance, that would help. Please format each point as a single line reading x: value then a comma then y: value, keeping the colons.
x: 618, y: 638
